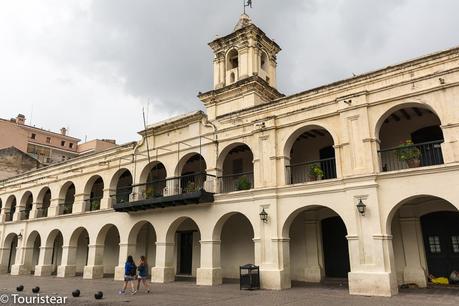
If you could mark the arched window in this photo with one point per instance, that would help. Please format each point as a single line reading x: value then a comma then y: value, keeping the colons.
x: 232, y: 60
x: 238, y: 169
x: 410, y: 137
x: 264, y: 61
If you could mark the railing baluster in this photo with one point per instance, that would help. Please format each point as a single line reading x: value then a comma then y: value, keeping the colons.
x: 429, y: 155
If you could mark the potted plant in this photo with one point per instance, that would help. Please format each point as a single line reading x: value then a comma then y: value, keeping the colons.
x: 243, y: 183
x: 149, y: 192
x: 409, y: 153
x: 191, y: 187
x: 315, y: 173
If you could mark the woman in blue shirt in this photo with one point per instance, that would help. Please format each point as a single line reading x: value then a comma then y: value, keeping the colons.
x: 129, y: 275
x: 143, y: 273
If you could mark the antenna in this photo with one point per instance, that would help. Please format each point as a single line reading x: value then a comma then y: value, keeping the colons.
x: 146, y: 138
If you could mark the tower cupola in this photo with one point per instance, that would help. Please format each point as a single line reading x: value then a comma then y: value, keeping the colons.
x: 244, y: 70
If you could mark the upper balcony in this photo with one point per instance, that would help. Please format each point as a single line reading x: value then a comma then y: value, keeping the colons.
x: 410, y: 137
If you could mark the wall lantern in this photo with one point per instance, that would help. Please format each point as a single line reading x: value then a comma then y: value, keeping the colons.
x: 361, y: 207
x: 20, y: 236
x: 264, y: 216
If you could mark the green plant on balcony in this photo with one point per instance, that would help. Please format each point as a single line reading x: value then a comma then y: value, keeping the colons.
x: 243, y: 183
x: 149, y: 192
x: 409, y: 153
x: 191, y: 187
x: 95, y: 204
x: 315, y: 173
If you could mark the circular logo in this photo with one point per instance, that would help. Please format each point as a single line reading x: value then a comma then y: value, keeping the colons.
x: 4, y: 298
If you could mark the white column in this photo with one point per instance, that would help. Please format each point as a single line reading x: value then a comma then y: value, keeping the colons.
x: 94, y: 268
x: 54, y: 207
x: 107, y: 201
x: 414, y: 271
x: 67, y: 267
x: 125, y: 250
x: 210, y: 272
x: 164, y: 271
x: 314, y: 271
x: 44, y: 267
x: 79, y: 204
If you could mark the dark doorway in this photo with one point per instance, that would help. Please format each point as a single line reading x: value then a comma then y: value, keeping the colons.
x: 441, y: 242
x: 186, y: 253
x: 12, y: 255
x: 328, y: 163
x: 336, y: 251
x: 431, y: 150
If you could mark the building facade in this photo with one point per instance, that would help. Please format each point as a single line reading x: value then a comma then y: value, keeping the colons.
x: 356, y: 179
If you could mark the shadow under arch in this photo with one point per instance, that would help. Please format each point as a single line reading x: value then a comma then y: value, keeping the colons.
x: 387, y: 113
x: 218, y: 226
x: 308, y: 127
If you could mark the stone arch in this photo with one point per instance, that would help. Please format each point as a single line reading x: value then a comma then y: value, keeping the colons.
x: 180, y: 168
x: 311, y: 154
x: 109, y: 237
x: 32, y: 251
x: 121, y: 185
x: 391, y: 109
x: 317, y: 244
x: 292, y: 215
x: 390, y: 216
x: 79, y: 247
x: 67, y: 198
x: 145, y: 174
x: 52, y: 253
x: 10, y: 207
x: 218, y: 226
x: 235, y: 232
x: 305, y: 128
x: 93, y: 193
x: 142, y: 242
x: 236, y: 164
x: 232, y: 59
x: 43, y: 202
x: 184, y: 233
x: 8, y: 258
x: 26, y: 204
x: 425, y: 238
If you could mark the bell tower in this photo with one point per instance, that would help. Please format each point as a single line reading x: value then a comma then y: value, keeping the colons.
x: 244, y: 60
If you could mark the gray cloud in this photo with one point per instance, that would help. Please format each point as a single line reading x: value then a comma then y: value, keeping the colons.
x: 92, y: 65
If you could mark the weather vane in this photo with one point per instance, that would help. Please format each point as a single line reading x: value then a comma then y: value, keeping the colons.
x: 247, y: 3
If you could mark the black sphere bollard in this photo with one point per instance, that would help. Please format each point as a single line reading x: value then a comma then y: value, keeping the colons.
x: 76, y: 293
x: 98, y: 295
x: 20, y: 288
x: 36, y: 289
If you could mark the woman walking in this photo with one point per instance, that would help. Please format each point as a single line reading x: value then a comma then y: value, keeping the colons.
x: 142, y: 277
x: 129, y: 275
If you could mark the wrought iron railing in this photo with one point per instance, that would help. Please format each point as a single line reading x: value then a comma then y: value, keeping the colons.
x: 42, y: 211
x: 411, y: 156
x: 93, y: 203
x: 165, y: 187
x: 67, y: 208
x: 236, y: 182
x: 321, y: 169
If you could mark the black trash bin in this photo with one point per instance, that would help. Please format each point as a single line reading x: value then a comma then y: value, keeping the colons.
x: 249, y: 277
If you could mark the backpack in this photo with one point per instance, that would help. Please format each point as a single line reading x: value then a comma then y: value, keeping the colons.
x: 133, y: 270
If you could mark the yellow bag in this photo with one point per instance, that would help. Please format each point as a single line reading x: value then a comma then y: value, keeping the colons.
x: 440, y: 281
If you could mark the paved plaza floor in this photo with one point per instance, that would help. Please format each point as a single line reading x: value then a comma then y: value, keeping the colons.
x: 187, y: 293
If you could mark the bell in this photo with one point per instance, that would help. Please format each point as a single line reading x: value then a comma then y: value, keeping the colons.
x: 76, y: 293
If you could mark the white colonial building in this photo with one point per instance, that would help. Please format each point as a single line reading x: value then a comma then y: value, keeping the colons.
x: 343, y: 197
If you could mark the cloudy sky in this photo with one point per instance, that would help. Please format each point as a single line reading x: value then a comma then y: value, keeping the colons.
x: 91, y: 65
